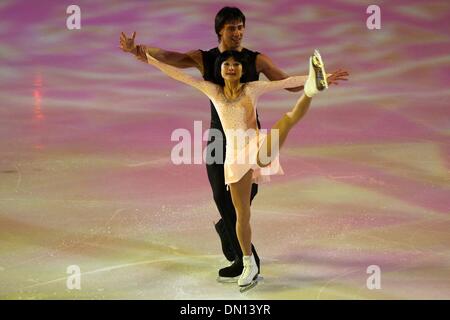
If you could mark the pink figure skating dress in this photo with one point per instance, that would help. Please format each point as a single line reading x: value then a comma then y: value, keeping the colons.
x: 238, y: 116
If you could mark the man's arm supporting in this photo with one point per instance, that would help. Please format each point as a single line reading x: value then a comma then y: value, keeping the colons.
x: 190, y: 59
x: 266, y: 66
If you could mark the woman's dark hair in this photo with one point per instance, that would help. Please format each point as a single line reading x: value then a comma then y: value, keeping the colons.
x: 237, y: 56
x: 227, y: 14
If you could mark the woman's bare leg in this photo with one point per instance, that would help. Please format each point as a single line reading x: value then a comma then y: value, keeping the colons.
x: 240, y: 194
x: 316, y: 82
x: 283, y: 126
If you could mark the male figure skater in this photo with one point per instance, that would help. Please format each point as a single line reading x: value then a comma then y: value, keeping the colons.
x: 229, y: 27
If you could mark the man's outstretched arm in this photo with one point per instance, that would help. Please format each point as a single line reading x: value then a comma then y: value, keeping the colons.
x: 266, y: 66
x: 191, y: 59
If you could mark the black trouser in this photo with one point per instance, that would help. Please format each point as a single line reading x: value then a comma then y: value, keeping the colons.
x: 224, y: 203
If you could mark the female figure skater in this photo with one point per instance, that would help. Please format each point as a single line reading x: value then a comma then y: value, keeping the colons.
x: 255, y: 155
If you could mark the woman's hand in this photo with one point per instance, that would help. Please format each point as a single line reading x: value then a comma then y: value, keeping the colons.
x: 127, y: 44
x: 335, y: 77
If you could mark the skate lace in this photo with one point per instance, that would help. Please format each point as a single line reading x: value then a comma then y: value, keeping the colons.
x: 247, y: 270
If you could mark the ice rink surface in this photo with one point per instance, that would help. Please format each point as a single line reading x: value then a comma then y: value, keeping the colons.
x: 86, y: 176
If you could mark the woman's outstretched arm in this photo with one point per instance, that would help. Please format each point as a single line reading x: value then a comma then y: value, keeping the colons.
x: 260, y: 87
x: 208, y: 88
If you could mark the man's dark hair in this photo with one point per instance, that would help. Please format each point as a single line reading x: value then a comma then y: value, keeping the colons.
x: 237, y: 56
x: 227, y: 14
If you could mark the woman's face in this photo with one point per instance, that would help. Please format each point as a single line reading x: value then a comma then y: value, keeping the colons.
x: 231, y: 70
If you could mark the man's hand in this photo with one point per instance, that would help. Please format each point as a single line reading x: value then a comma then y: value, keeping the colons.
x: 335, y: 77
x: 127, y: 44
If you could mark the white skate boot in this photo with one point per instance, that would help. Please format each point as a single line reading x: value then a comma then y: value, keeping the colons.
x: 249, y: 276
x: 317, y: 78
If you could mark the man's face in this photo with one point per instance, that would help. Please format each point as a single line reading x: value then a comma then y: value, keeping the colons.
x: 232, y: 34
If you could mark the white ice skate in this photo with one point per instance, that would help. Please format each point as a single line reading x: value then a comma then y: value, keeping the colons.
x: 249, y: 276
x: 317, y: 78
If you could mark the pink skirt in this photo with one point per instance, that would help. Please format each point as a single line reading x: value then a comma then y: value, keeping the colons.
x: 239, y: 162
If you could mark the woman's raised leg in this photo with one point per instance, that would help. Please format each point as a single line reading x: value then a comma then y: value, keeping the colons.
x: 315, y: 83
x: 270, y: 148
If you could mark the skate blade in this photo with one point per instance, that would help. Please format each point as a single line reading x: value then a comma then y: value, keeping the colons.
x: 321, y: 82
x: 252, y: 284
x: 227, y: 280
x: 248, y: 287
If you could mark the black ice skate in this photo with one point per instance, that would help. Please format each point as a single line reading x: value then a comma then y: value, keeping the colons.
x: 232, y: 273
